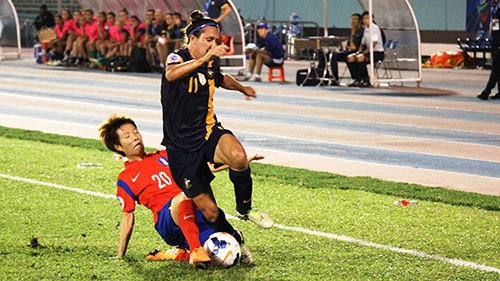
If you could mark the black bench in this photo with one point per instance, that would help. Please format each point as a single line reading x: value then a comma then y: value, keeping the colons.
x: 481, y: 46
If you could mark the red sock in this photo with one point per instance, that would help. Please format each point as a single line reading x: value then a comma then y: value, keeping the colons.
x: 187, y: 223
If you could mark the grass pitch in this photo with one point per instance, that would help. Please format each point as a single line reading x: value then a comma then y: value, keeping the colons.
x: 330, y: 227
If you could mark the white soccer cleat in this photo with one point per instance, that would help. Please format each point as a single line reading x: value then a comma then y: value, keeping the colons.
x: 246, y: 255
x: 259, y: 218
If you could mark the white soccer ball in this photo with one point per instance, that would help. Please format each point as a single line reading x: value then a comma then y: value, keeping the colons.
x: 223, y: 249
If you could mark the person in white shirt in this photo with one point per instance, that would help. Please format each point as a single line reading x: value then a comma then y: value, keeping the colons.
x: 357, y: 62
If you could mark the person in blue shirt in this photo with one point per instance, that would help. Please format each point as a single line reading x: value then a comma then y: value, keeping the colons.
x: 295, y: 27
x: 217, y: 9
x: 269, y: 52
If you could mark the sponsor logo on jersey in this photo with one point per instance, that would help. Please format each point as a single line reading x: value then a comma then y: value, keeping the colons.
x: 163, y: 161
x: 136, y: 177
x: 174, y: 58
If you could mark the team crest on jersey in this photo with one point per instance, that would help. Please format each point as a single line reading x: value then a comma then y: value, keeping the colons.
x: 187, y: 183
x: 210, y: 74
x: 174, y: 58
x: 202, y: 79
x: 163, y: 161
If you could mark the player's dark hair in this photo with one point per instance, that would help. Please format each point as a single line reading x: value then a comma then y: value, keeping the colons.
x: 197, y: 22
x: 107, y: 131
x: 135, y: 18
x: 357, y: 15
x: 69, y: 13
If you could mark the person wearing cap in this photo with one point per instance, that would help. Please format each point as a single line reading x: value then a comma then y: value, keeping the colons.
x: 269, y: 52
x: 44, y: 19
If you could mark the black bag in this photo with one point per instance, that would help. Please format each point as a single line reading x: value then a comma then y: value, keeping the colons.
x: 138, y: 61
x: 312, y: 80
x: 118, y: 64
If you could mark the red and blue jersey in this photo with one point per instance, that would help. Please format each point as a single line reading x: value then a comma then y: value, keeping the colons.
x: 147, y: 182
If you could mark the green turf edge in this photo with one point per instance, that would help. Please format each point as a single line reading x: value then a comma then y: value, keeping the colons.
x: 303, y: 177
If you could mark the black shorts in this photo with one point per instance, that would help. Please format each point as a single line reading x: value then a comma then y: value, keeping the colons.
x: 190, y: 169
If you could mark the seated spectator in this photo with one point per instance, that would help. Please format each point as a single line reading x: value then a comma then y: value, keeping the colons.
x: 178, y: 32
x: 102, y: 31
x: 160, y: 38
x: 118, y: 43
x: 57, y: 45
x: 137, y: 34
x: 169, y: 34
x: 352, y: 46
x: 44, y: 19
x: 78, y: 51
x: 150, y: 36
x: 269, y: 52
x: 357, y: 62
x: 125, y: 19
x: 72, y: 27
x: 109, y: 30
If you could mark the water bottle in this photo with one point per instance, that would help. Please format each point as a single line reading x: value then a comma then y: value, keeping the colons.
x: 85, y: 165
x: 405, y: 202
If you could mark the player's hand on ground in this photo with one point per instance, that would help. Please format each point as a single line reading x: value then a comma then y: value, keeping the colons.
x: 256, y: 157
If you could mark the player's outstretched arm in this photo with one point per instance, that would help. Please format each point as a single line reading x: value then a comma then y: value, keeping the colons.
x: 230, y: 83
x: 178, y: 71
x: 127, y: 226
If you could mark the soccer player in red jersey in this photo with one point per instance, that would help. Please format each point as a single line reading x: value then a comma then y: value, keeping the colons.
x: 146, y: 179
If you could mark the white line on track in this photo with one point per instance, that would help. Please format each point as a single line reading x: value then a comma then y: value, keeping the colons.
x: 348, y: 239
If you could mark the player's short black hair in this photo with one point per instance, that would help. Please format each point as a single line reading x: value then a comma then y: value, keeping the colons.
x: 107, y: 131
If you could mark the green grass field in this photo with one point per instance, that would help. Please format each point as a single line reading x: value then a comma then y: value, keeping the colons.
x: 329, y: 227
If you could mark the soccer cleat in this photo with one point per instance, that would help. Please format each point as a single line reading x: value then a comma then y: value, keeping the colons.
x: 198, y: 257
x: 246, y: 255
x: 259, y: 218
x: 177, y: 254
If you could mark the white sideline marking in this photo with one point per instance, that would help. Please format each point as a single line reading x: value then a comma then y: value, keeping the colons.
x: 348, y: 239
x: 98, y: 194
